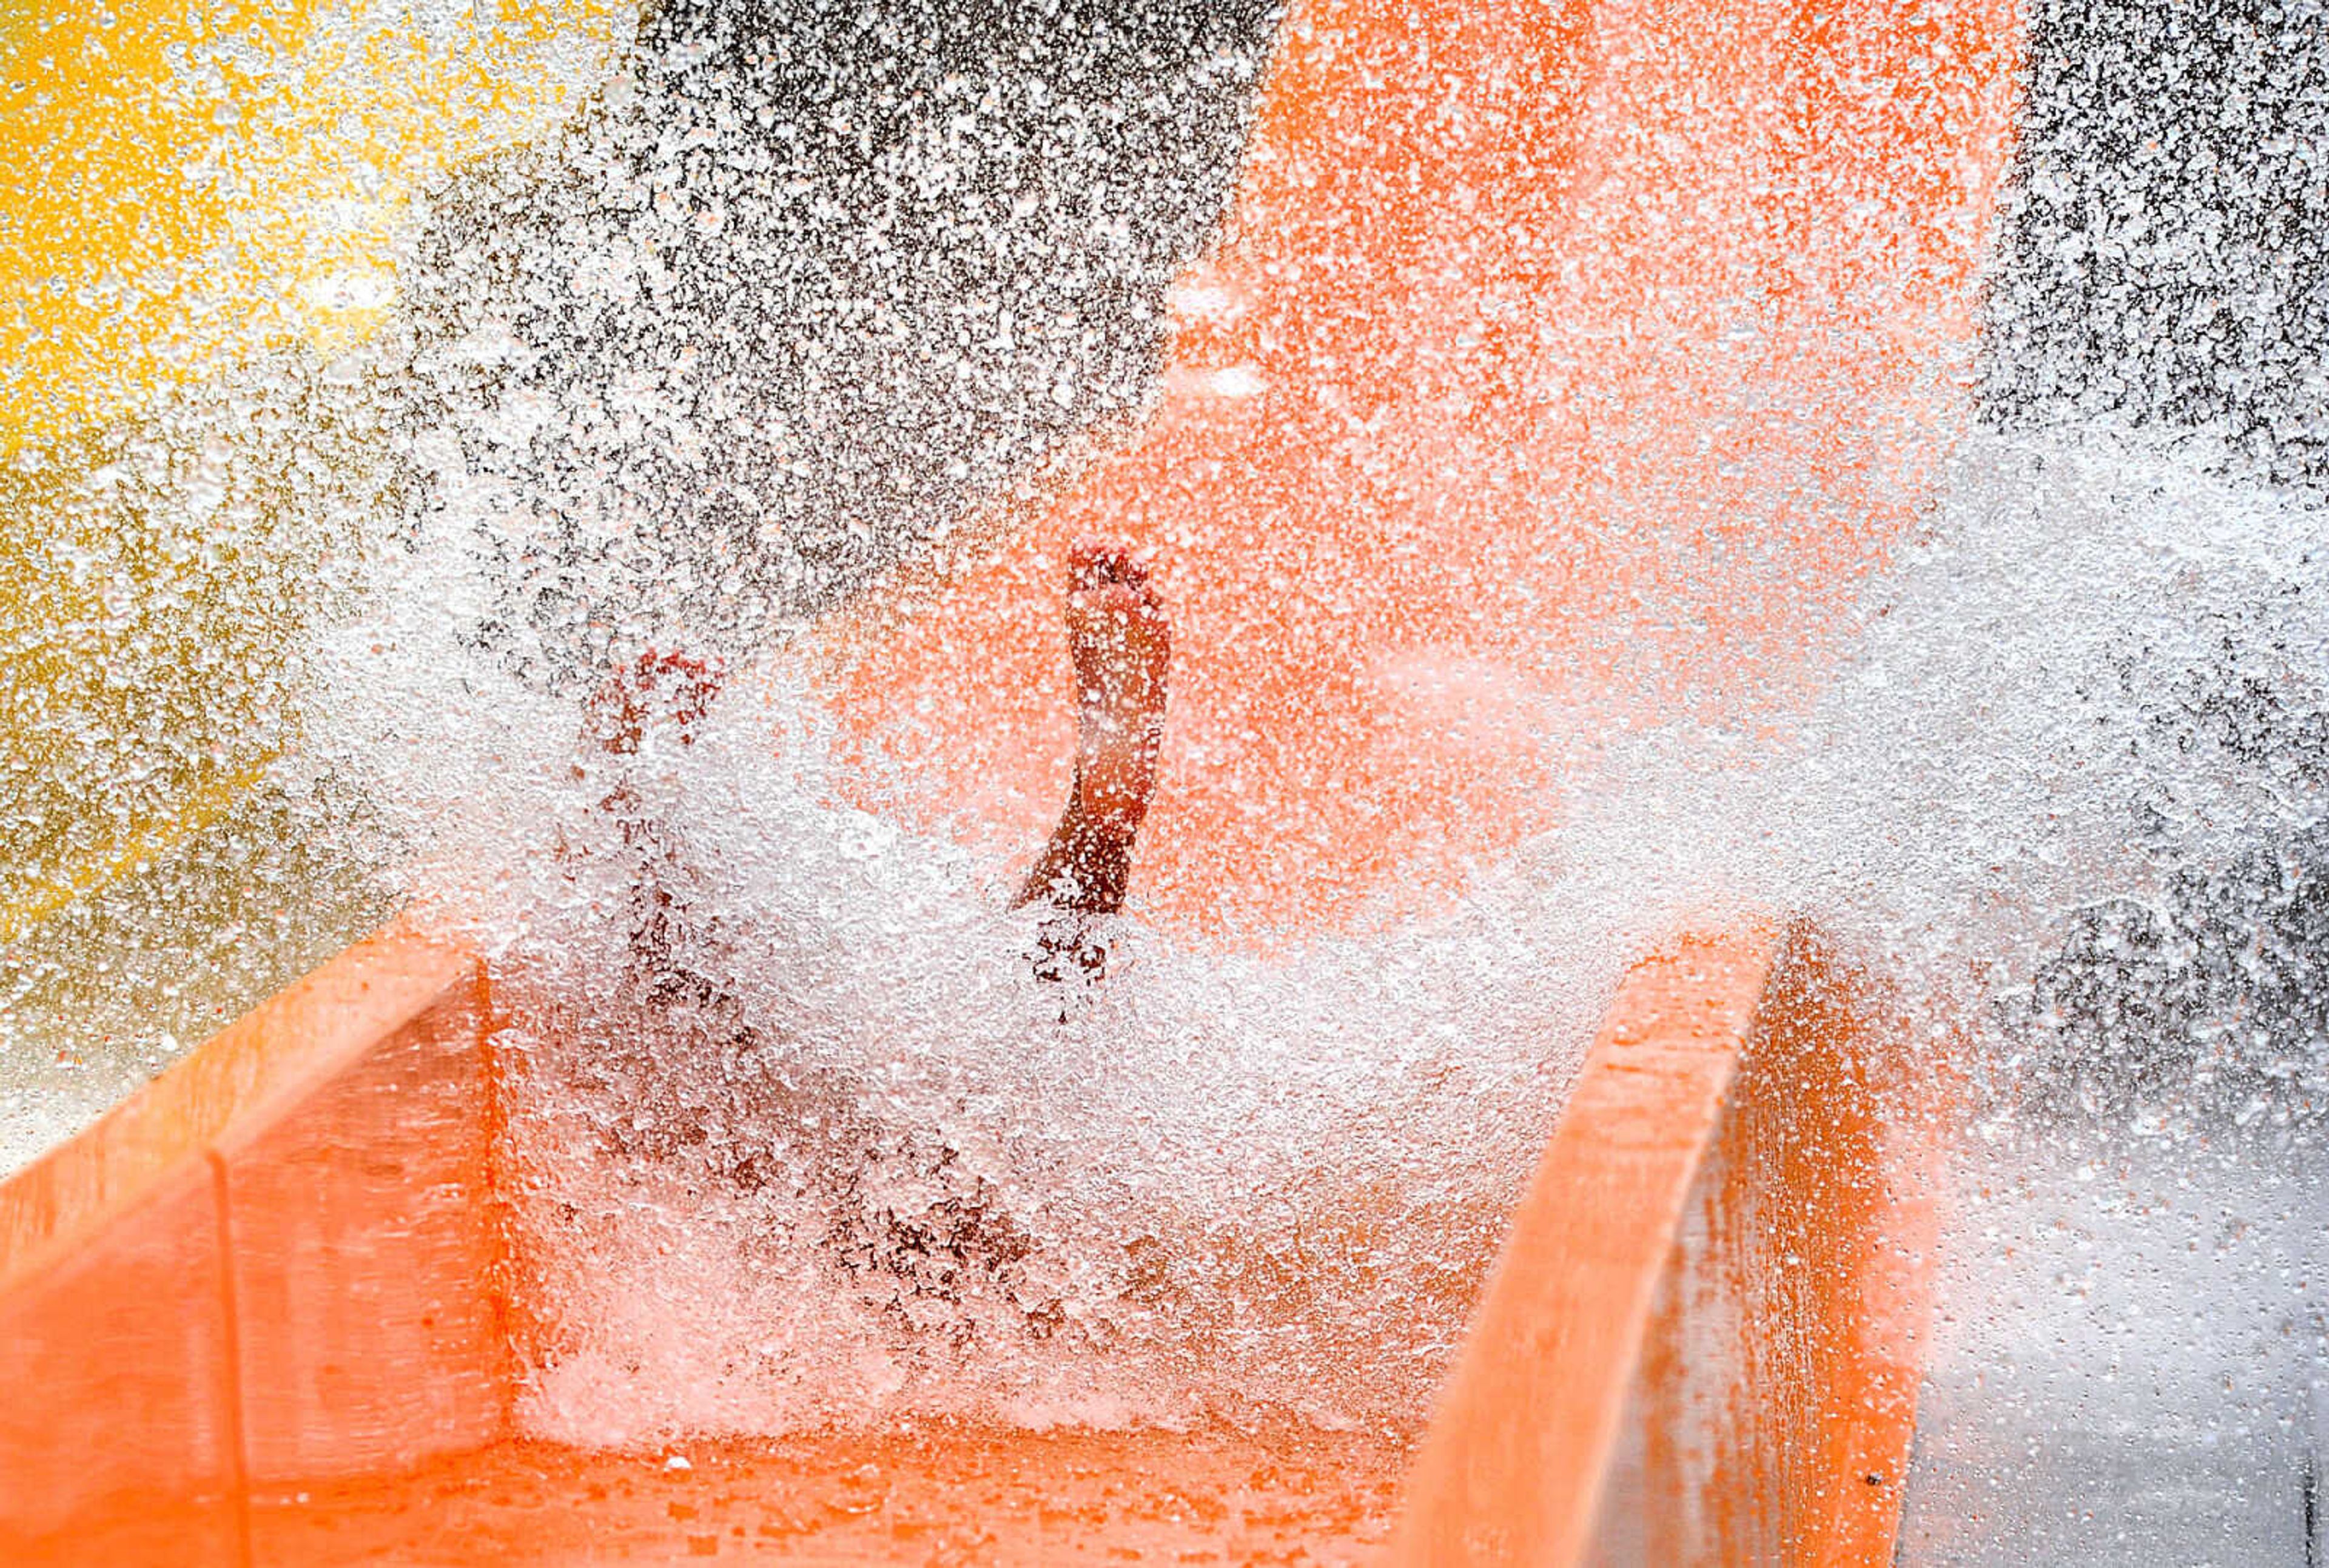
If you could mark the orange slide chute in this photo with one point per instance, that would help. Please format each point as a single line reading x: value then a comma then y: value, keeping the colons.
x: 1703, y: 1337
x: 260, y: 1317
x: 1560, y: 367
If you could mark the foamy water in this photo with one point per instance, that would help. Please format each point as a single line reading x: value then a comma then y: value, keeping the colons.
x: 864, y: 1163
x: 873, y: 1163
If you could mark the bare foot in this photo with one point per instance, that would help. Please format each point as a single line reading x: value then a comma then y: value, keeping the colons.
x: 1120, y: 643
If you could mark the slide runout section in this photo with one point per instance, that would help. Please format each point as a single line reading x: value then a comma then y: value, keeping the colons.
x: 1702, y: 1340
x: 279, y: 1265
x: 278, y: 1261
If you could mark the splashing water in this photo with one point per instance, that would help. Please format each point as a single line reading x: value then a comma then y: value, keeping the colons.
x: 860, y: 1162
x: 845, y: 1157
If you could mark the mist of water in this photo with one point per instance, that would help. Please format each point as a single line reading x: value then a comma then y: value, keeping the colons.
x: 847, y: 1157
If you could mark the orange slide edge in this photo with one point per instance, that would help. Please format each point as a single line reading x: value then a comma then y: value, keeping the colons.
x: 279, y: 1260
x: 1703, y: 1340
x: 243, y: 1077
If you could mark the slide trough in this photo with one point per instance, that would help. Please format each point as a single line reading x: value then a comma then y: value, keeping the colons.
x: 1495, y: 275
x: 260, y: 1315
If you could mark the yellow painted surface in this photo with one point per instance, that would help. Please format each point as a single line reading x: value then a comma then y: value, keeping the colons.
x: 184, y: 180
x: 185, y: 184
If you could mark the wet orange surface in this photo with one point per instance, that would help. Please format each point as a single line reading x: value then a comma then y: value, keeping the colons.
x: 1703, y: 1340
x: 945, y: 1496
x: 1561, y: 367
x: 258, y: 1317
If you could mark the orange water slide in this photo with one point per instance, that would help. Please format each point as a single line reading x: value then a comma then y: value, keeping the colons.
x: 1560, y: 367
x: 258, y: 1316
